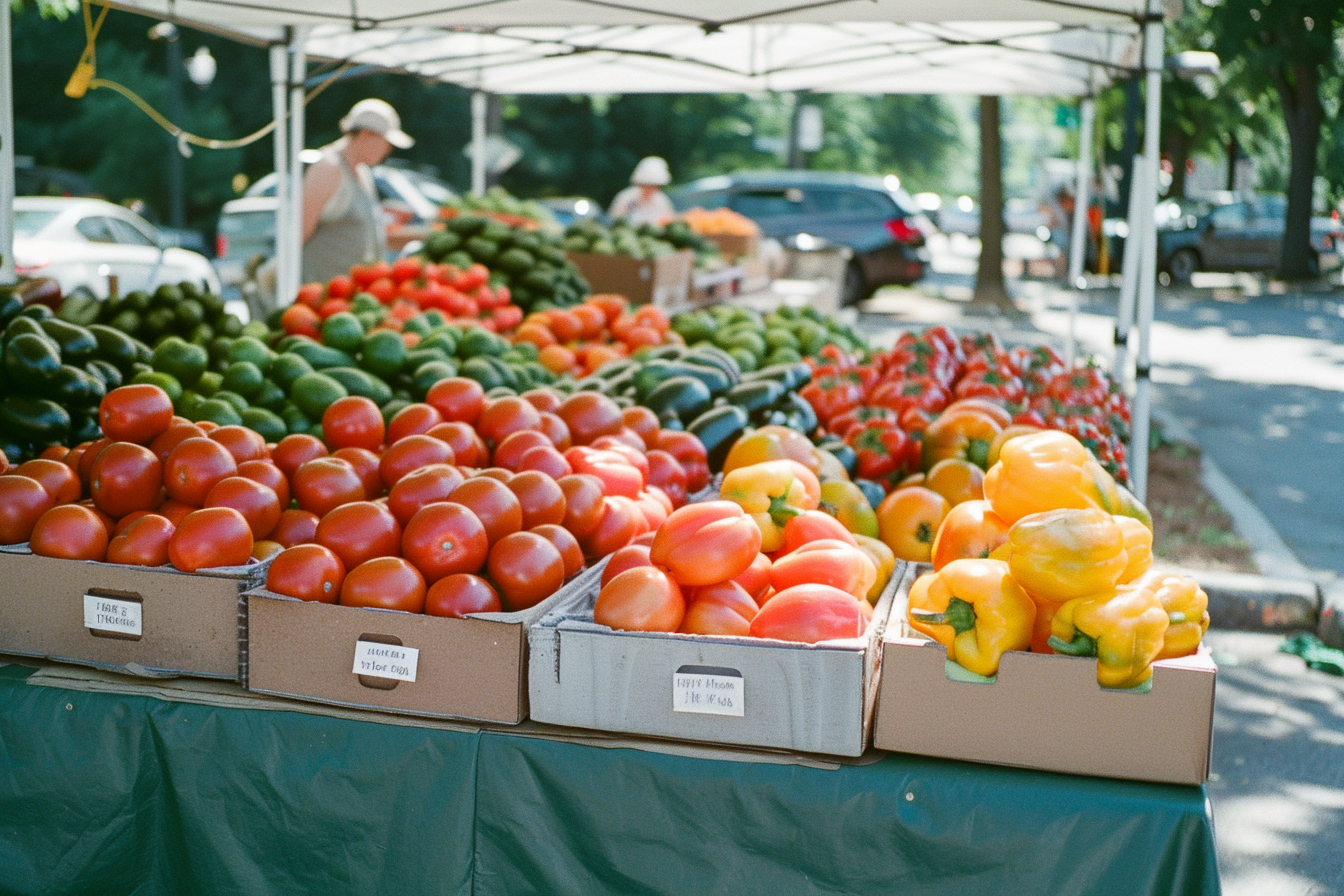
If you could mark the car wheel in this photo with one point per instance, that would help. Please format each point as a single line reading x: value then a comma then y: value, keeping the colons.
x: 1183, y: 263
x: 855, y: 288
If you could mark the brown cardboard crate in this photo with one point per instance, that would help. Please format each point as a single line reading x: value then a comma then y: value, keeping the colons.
x: 153, y: 621
x: 663, y: 281
x: 472, y: 668
x: 812, y: 698
x: 734, y: 246
x: 1045, y: 711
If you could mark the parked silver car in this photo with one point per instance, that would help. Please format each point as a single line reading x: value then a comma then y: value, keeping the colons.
x: 80, y: 242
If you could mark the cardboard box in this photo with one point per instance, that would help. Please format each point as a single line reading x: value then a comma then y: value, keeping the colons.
x: 813, y: 698
x: 1046, y: 711
x: 473, y: 668
x: 150, y: 621
x: 663, y: 281
x: 733, y: 246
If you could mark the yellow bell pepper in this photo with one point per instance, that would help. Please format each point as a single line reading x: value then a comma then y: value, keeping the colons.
x: 1187, y: 608
x: 1051, y: 470
x: 883, y: 558
x: 772, y: 493
x: 829, y: 466
x: 846, y: 502
x: 1138, y: 547
x: 975, y: 610
x: 772, y: 443
x: 1060, y: 555
x: 1124, y: 630
x: 964, y: 432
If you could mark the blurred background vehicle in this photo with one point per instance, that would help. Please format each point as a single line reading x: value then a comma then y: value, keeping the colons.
x: 569, y: 209
x: 80, y: 242
x: 872, y: 216
x: 246, y: 232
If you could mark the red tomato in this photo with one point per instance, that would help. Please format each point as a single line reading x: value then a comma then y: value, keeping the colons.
x: 544, y: 459
x: 173, y: 511
x: 510, y: 451
x: 565, y: 543
x: 60, y: 481
x: 468, y: 449
x: 556, y: 430
x: 359, y: 531
x: 412, y: 453
x: 813, y: 525
x: 126, y: 477
x: 412, y: 420
x: 526, y: 568
x: 827, y: 561
x: 705, y: 543
x: 503, y: 416
x: 258, y: 503
x: 457, y: 595
x: 667, y: 473
x: 324, y: 483
x: 301, y: 320
x: 808, y: 614
x: 542, y: 398
x: 624, y: 438
x: 22, y: 502
x: 353, y: 422
x: 89, y: 456
x: 690, y: 451
x: 295, y: 527
x: 269, y: 475
x: 366, y: 464
x: 294, y: 450
x: 138, y: 413
x: 644, y: 599
x: 590, y: 415
x: 723, y: 608
x: 243, y: 443
x: 388, y: 583
x: 443, y: 539
x: 634, y: 455
x: 641, y: 421
x: 310, y: 295
x: 539, y: 497
x: 194, y: 467
x: 457, y: 398
x: 214, y: 536
x: 142, y: 543
x: 427, y: 485
x: 493, y: 502
x: 628, y: 557
x: 340, y: 287
x: 618, y: 475
x: 583, y: 503
x: 498, y: 473
x: 70, y: 531
x: 755, y: 579
x: 620, y: 523
x: 308, y: 572
x: 655, y: 506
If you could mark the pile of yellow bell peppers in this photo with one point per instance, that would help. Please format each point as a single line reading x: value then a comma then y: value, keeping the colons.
x: 1060, y: 563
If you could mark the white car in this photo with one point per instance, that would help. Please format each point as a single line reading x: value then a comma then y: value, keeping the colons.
x: 81, y: 242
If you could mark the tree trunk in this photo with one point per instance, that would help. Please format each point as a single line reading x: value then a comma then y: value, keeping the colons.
x: 990, y: 288
x: 1303, y: 113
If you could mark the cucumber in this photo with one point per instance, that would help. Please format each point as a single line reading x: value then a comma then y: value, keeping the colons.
x: 718, y: 429
x: 685, y: 396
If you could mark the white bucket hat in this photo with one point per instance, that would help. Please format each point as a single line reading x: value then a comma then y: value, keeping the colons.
x: 651, y: 172
x: 379, y: 118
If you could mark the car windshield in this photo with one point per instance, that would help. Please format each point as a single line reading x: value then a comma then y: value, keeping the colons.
x: 28, y: 222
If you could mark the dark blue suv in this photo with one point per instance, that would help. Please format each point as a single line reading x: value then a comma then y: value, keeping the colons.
x: 871, y: 215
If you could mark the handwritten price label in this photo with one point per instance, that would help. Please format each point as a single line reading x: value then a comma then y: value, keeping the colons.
x: 108, y: 614
x: 709, y: 690
x: 386, y: 660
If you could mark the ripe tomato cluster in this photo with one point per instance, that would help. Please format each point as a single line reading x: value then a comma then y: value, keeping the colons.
x: 581, y: 339
x: 704, y: 573
x: 464, y: 503
x: 402, y: 289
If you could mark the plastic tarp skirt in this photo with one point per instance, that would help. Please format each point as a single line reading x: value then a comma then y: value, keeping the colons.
x: 120, y: 793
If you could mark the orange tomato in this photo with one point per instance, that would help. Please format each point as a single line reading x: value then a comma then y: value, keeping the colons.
x: 723, y: 608
x: 956, y: 479
x: 644, y: 598
x: 908, y: 521
x: 810, y: 613
x: 557, y: 358
x: 971, y: 530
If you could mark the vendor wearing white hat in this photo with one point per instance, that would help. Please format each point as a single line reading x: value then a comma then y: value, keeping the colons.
x: 644, y: 202
x: 342, y: 219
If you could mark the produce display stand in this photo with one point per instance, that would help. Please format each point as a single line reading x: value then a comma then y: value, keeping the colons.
x: 118, y: 786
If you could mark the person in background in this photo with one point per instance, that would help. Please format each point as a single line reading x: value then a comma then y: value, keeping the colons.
x: 342, y: 219
x: 1059, y: 218
x: 644, y: 202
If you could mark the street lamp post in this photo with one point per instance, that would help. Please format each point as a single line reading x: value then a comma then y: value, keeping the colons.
x: 200, y: 68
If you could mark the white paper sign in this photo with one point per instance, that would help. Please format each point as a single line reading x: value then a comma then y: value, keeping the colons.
x: 111, y: 614
x: 708, y: 689
x: 386, y: 660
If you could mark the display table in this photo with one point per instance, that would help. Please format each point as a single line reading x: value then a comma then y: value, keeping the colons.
x: 114, y: 786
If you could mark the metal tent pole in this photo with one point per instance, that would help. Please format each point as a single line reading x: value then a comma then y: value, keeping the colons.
x: 1129, y: 272
x: 479, y: 104
x: 1078, y: 240
x: 1152, y: 65
x: 7, y: 272
x: 298, y: 64
x: 279, y: 104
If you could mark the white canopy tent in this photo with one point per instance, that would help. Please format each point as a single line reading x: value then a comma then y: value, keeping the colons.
x: 1004, y: 47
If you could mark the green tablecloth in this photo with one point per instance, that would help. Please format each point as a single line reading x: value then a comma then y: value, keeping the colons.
x: 112, y: 793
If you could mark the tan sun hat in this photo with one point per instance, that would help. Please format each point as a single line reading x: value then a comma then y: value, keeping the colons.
x: 651, y: 172
x: 379, y: 118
